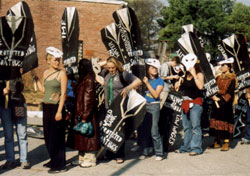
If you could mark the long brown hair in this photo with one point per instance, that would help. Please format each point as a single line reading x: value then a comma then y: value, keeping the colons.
x: 117, y: 63
x: 197, y: 68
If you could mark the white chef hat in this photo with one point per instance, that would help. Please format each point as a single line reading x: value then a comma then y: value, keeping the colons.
x: 54, y: 52
x: 227, y: 61
x: 153, y: 62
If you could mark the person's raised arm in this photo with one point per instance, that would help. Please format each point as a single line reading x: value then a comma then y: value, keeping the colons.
x: 198, y: 78
x: 155, y: 93
x: 38, y: 82
x: 137, y: 82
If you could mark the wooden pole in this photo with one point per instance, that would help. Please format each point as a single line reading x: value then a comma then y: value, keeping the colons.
x: 217, y: 104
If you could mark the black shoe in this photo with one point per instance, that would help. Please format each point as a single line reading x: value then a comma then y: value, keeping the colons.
x: 24, y: 165
x: 55, y: 171
x: 8, y: 165
x: 47, y: 165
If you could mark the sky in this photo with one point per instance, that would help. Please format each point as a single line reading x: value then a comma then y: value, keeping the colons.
x: 246, y: 2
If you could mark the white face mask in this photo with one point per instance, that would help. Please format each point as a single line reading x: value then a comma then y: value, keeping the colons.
x: 189, y: 61
x: 96, y: 67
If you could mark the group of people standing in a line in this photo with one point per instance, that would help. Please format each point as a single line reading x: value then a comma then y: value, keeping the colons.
x: 159, y: 80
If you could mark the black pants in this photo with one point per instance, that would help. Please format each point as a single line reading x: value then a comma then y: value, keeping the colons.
x: 54, y: 135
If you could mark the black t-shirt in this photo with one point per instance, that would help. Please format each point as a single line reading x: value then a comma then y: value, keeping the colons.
x: 189, y: 88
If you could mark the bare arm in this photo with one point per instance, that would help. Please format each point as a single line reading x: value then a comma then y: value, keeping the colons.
x: 137, y: 82
x: 198, y: 78
x: 39, y: 83
x: 63, y: 80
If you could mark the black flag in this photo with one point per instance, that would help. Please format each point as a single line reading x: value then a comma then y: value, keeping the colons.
x: 123, y: 117
x: 110, y: 39
x: 235, y: 46
x: 30, y: 60
x: 15, y: 36
x: 170, y: 118
x: 190, y: 43
x: 129, y: 33
x: 70, y: 43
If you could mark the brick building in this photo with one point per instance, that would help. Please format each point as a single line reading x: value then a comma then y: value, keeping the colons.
x: 47, y: 14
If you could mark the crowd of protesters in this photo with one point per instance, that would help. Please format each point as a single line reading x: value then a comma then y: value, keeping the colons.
x: 186, y: 78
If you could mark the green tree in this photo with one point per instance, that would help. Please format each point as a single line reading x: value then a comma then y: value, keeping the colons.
x: 208, y: 16
x: 239, y: 20
x: 147, y: 12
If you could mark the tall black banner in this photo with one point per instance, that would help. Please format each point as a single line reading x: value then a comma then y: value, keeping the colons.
x: 235, y: 46
x: 129, y: 33
x: 190, y: 43
x: 170, y: 118
x: 70, y: 43
x: 15, y: 36
x: 124, y: 116
x: 240, y: 115
x: 30, y: 60
x: 110, y: 39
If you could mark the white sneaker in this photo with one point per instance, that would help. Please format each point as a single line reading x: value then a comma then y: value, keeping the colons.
x: 142, y: 157
x: 158, y: 158
x: 87, y: 164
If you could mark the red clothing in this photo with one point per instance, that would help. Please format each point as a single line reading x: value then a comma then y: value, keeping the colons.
x: 185, y: 104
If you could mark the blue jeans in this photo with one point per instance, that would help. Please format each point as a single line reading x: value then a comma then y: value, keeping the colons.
x: 21, y: 130
x: 247, y: 135
x: 153, y: 110
x: 192, y: 130
x: 5, y: 115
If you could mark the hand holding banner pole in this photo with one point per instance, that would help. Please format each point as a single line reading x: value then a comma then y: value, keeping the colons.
x: 217, y: 104
x: 7, y: 96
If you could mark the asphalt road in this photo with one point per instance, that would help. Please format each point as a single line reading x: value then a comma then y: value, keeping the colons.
x: 235, y: 162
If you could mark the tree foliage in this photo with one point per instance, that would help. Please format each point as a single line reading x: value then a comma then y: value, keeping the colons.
x: 147, y: 11
x: 214, y: 19
x: 239, y: 20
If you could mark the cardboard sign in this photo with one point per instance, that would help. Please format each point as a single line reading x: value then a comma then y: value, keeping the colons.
x: 240, y: 115
x: 129, y: 33
x: 124, y: 116
x: 190, y: 43
x: 172, y: 110
x: 30, y: 60
x: 15, y: 36
x: 70, y: 43
x: 235, y: 46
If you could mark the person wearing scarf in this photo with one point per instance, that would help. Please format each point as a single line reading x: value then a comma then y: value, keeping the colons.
x: 113, y: 86
x: 222, y: 121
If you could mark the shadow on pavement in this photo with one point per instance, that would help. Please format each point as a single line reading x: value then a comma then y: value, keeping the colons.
x: 126, y: 167
x: 38, y: 155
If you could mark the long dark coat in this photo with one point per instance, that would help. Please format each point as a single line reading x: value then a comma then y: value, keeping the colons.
x: 222, y: 120
x: 86, y: 110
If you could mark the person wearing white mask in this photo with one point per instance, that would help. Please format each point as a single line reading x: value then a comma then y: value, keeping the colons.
x: 191, y: 87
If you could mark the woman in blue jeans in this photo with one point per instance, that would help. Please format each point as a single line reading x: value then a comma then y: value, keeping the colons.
x: 191, y: 87
x: 6, y: 120
x: 149, y: 130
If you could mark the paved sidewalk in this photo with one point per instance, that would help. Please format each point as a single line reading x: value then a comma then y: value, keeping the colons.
x: 235, y: 162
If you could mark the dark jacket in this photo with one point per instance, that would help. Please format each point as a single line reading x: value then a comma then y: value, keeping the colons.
x: 86, y: 110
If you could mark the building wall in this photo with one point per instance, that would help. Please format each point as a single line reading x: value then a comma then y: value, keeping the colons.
x: 47, y: 16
